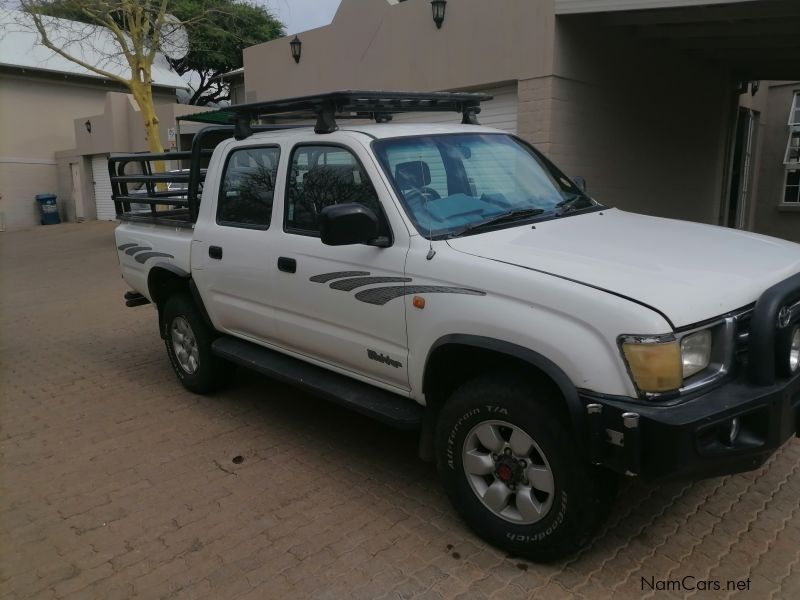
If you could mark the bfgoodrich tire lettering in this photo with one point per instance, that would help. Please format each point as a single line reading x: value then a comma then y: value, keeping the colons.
x: 204, y: 372
x: 576, y: 498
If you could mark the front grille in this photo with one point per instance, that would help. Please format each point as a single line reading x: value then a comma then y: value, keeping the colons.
x: 741, y: 337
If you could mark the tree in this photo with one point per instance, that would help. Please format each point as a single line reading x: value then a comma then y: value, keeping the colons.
x: 216, y: 43
x: 219, y: 30
x: 137, y: 29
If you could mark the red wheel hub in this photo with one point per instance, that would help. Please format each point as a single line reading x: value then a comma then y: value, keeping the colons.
x: 505, y: 473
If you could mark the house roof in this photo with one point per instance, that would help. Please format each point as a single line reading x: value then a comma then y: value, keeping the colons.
x: 20, y: 47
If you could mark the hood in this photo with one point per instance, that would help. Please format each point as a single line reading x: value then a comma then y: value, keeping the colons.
x: 688, y: 271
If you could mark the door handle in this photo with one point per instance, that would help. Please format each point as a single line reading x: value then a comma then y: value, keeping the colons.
x: 215, y: 252
x: 287, y: 265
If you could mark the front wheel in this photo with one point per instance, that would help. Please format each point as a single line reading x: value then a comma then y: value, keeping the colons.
x: 510, y: 468
x: 188, y: 340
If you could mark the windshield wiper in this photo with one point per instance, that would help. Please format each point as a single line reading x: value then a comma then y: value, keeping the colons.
x: 571, y: 204
x: 505, y: 217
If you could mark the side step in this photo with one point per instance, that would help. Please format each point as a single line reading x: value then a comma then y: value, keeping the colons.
x: 368, y: 400
x: 135, y: 299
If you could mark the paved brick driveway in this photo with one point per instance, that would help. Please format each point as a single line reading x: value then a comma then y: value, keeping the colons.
x: 115, y: 482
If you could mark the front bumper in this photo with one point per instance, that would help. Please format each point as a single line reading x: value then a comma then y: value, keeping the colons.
x: 693, y: 439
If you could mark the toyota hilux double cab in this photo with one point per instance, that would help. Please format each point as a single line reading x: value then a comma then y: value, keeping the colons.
x: 450, y: 279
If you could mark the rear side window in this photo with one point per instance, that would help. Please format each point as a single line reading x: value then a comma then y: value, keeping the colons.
x: 320, y: 176
x: 248, y: 188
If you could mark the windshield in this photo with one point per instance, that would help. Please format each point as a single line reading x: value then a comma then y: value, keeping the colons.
x: 452, y: 184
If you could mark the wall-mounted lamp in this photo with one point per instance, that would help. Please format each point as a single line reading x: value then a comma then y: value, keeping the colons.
x: 88, y: 126
x: 438, y: 7
x: 297, y: 48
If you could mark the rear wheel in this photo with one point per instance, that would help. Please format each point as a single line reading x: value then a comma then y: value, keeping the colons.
x: 509, y: 465
x: 188, y: 340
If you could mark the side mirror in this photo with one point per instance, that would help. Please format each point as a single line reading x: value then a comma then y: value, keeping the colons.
x: 347, y: 224
x: 580, y: 182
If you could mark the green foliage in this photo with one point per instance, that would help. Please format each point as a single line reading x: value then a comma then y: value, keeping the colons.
x: 216, y: 42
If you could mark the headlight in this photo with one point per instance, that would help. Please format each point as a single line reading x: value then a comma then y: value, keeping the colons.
x: 794, y: 351
x: 660, y: 365
x: 654, y: 366
x: 695, y: 352
x: 788, y: 351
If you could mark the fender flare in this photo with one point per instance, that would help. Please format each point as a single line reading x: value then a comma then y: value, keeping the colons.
x: 193, y: 291
x: 568, y: 389
x: 164, y: 266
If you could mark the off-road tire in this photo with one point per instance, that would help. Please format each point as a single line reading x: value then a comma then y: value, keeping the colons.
x: 212, y: 372
x: 582, y: 493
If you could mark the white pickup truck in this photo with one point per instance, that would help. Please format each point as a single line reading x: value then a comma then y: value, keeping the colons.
x: 452, y: 279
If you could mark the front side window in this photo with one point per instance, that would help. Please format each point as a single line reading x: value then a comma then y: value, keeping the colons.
x: 454, y: 183
x: 321, y: 176
x: 248, y: 188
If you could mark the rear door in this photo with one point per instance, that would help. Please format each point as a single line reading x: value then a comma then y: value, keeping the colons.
x: 340, y: 305
x: 235, y: 244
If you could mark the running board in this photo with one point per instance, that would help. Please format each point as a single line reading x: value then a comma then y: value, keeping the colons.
x: 363, y: 398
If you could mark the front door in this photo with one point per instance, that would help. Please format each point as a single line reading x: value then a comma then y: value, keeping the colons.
x: 337, y: 304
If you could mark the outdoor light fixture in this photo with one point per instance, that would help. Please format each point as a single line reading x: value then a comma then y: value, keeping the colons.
x: 297, y: 48
x: 88, y: 126
x: 438, y: 7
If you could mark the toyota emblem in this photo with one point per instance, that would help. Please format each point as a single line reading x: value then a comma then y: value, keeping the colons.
x: 784, y: 316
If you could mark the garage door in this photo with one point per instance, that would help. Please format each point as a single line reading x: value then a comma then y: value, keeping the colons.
x: 102, y: 189
x: 501, y: 112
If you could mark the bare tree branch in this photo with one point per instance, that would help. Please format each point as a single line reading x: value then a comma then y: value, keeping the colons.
x: 41, y: 29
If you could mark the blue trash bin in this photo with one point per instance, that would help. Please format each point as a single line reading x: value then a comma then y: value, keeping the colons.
x: 48, y: 209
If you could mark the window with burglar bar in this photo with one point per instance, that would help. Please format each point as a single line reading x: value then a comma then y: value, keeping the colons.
x: 791, y: 190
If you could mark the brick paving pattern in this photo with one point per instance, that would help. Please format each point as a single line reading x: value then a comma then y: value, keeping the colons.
x: 117, y: 483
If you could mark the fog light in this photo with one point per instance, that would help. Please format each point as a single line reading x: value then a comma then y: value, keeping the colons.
x: 794, y: 350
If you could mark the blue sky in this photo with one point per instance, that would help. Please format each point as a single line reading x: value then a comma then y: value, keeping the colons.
x: 302, y: 15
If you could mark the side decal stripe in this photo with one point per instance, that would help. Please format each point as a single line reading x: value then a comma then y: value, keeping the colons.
x: 347, y: 285
x: 126, y: 246
x: 382, y: 295
x: 326, y: 277
x: 142, y: 258
x: 135, y: 249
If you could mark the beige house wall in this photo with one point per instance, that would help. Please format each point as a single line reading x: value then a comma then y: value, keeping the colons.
x: 374, y: 45
x: 36, y: 119
x: 535, y: 111
x: 118, y: 127
x: 646, y: 127
x: 38, y: 116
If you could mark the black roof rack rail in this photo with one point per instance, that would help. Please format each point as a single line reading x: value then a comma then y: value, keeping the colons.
x: 349, y: 104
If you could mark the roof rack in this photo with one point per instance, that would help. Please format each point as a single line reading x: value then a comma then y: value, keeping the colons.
x: 327, y: 108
